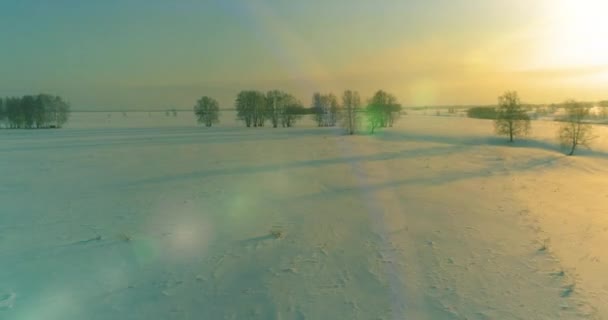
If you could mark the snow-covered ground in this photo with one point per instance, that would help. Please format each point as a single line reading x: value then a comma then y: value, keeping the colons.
x: 151, y: 217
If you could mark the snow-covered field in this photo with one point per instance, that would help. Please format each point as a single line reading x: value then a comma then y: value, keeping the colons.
x: 151, y: 217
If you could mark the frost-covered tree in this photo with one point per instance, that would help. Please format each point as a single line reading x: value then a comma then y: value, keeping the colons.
x: 511, y: 118
x: 283, y: 108
x: 276, y: 102
x: 351, y: 104
x: 54, y: 111
x: 274, y: 105
x: 334, y: 110
x: 574, y: 131
x: 325, y: 109
x: 14, y: 113
x: 40, y: 111
x: 207, y: 111
x: 292, y: 112
x: 244, y: 108
x: 42, y: 107
x: 251, y: 108
x: 29, y: 107
x: 318, y: 109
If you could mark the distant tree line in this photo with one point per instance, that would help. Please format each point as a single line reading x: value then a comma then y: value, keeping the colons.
x: 281, y: 109
x: 255, y: 108
x: 482, y: 112
x: 171, y: 111
x: 33, y: 112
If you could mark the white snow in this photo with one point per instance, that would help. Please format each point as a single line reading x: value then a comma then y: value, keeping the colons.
x: 152, y: 217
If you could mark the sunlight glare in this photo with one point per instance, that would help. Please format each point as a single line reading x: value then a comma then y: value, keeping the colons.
x: 579, y: 33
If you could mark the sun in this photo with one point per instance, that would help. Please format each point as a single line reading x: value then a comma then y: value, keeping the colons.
x: 578, y: 33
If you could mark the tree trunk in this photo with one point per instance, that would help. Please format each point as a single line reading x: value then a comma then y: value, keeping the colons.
x: 574, y: 141
x: 275, y: 116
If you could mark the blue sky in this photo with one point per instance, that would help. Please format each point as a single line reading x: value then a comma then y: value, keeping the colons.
x: 153, y: 54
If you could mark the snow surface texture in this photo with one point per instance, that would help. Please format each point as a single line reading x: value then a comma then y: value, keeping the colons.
x: 146, y: 216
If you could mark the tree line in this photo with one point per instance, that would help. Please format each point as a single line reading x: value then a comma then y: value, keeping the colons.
x: 281, y: 109
x: 33, y: 111
x: 255, y: 108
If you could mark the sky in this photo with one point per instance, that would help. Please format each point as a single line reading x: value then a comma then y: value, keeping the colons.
x: 155, y: 54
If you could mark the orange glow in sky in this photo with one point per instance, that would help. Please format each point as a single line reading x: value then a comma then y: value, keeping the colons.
x: 154, y: 54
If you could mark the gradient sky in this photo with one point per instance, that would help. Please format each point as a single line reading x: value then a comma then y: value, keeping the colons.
x: 153, y: 54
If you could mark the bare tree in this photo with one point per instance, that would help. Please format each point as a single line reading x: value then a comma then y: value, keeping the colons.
x: 279, y: 107
x: 334, y: 110
x: 326, y: 109
x: 39, y: 111
x: 274, y: 101
x: 244, y: 108
x: 207, y: 111
x: 29, y: 106
x: 318, y: 108
x: 51, y: 111
x: 351, y: 103
x: 511, y: 117
x: 251, y: 108
x: 14, y: 113
x: 61, y: 112
x: 375, y: 117
x: 573, y: 130
x: 261, y: 109
x: 293, y: 111
x: 382, y: 110
x: 2, y: 112
x: 45, y: 111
